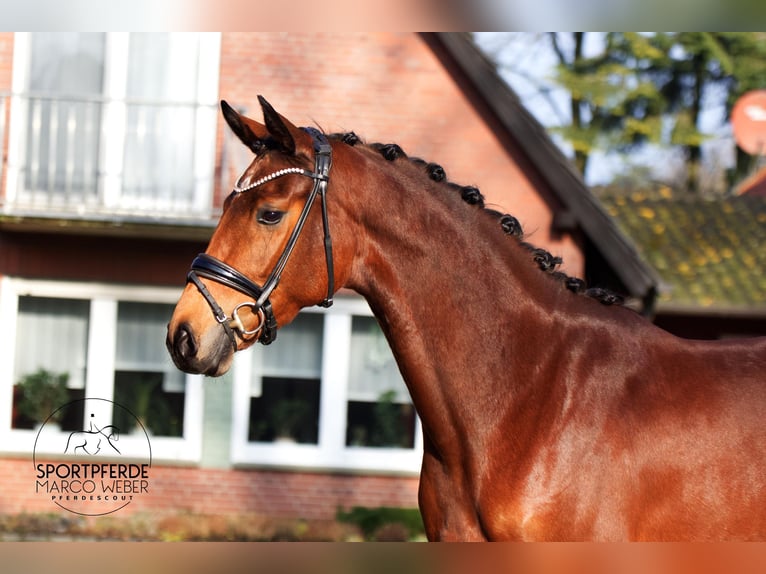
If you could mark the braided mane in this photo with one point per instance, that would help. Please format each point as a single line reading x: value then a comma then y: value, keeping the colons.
x: 511, y: 226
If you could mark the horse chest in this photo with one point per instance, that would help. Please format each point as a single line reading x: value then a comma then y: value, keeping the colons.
x: 561, y: 492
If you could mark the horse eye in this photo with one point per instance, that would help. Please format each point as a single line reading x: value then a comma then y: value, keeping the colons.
x: 270, y: 216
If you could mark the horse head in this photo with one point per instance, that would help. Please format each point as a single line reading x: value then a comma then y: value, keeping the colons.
x: 231, y: 299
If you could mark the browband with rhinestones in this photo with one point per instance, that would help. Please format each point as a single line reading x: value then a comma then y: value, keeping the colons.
x: 271, y: 176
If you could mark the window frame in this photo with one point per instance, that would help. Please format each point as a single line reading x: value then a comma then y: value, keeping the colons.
x: 113, y: 117
x: 100, y: 365
x: 330, y: 453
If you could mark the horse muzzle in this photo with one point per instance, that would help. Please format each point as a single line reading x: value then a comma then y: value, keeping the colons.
x: 209, y: 355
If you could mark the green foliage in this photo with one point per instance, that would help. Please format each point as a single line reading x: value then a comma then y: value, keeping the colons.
x: 685, y: 132
x: 287, y: 415
x: 652, y: 88
x: 42, y: 393
x: 698, y: 67
x: 373, y: 520
x: 612, y: 105
x: 141, y: 393
x: 179, y: 525
x: 386, y: 427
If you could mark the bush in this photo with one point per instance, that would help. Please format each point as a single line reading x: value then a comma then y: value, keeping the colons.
x: 42, y: 393
x: 179, y: 526
x: 384, y: 523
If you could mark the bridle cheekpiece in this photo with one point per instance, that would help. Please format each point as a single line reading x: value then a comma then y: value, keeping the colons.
x: 209, y: 267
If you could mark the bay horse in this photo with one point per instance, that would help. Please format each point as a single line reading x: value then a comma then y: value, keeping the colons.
x: 547, y: 414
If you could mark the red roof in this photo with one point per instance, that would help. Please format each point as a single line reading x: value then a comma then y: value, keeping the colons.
x: 754, y: 185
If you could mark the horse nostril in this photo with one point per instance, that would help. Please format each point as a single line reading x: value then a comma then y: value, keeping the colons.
x: 184, y: 344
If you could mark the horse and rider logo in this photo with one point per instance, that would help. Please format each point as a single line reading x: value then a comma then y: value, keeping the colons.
x: 92, y: 440
x: 102, y: 470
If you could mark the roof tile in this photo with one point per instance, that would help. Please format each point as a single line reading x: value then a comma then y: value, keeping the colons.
x: 708, y: 252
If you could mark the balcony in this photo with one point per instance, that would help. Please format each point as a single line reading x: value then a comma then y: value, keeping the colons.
x: 100, y: 160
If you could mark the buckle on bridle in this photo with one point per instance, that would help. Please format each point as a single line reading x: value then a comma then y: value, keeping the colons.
x: 236, y: 323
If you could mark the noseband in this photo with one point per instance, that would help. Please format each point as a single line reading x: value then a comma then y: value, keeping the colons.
x: 207, y: 266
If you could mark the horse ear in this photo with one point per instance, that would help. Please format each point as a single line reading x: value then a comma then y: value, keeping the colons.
x: 280, y: 128
x: 249, y: 132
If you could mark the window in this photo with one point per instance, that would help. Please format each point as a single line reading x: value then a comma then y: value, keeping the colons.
x: 145, y: 381
x: 285, y: 388
x: 380, y: 412
x: 328, y: 394
x: 66, y: 72
x: 110, y: 342
x: 114, y: 121
x: 51, y: 338
x: 161, y: 89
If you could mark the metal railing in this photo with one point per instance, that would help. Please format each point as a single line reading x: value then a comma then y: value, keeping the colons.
x: 91, y: 156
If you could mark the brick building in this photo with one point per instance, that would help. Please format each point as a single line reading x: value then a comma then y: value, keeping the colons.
x: 114, y: 165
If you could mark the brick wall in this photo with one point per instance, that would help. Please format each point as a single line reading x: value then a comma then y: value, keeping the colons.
x: 6, y: 60
x: 6, y: 65
x: 218, y: 491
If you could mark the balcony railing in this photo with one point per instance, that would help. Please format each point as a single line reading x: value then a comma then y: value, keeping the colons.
x: 96, y: 157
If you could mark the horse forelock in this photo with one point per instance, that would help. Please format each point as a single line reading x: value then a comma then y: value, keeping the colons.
x: 471, y: 195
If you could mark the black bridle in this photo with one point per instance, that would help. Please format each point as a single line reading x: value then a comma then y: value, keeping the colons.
x: 207, y: 266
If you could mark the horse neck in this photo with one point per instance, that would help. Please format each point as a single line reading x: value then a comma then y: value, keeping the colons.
x: 457, y: 299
